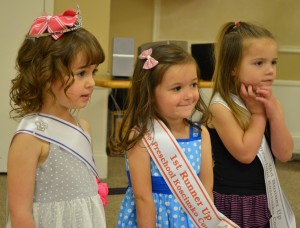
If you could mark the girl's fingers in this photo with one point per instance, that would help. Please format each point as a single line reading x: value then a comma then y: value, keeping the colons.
x: 243, y: 91
x: 250, y: 91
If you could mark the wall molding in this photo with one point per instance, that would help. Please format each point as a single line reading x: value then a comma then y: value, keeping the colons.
x: 288, y: 83
x: 281, y: 48
x: 156, y: 20
x: 289, y: 49
x: 48, y: 7
x: 296, y: 138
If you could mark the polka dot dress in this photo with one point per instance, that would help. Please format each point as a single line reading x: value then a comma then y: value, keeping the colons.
x: 66, y: 193
x: 169, y: 213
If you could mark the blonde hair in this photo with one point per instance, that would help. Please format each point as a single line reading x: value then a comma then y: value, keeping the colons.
x: 229, y: 49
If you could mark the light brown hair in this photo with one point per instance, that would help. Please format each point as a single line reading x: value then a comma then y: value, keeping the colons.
x: 229, y: 49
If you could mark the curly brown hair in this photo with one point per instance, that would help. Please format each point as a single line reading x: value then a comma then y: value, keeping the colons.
x: 42, y: 61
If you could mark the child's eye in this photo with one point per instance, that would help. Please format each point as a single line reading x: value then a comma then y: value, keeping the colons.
x: 258, y: 63
x: 95, y: 71
x: 177, y: 88
x: 274, y: 62
x: 81, y: 73
x: 195, y: 84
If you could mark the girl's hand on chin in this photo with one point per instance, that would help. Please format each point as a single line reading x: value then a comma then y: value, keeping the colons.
x: 249, y: 96
x: 267, y: 98
x: 247, y: 92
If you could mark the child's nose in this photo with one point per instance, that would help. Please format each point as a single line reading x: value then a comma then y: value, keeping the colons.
x: 271, y: 69
x: 188, y: 94
x: 91, y: 82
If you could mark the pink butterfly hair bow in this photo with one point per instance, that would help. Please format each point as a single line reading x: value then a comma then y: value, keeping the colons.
x: 55, y: 26
x: 150, y: 62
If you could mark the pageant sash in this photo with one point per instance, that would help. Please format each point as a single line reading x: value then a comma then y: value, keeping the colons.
x: 282, y: 213
x: 182, y: 178
x: 61, y: 133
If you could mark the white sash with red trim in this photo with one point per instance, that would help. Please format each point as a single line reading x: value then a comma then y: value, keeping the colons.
x: 61, y: 133
x: 182, y: 178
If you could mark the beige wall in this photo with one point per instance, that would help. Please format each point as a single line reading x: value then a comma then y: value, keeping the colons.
x: 289, y: 65
x: 96, y: 19
x: 198, y: 21
x: 107, y: 19
x: 131, y: 19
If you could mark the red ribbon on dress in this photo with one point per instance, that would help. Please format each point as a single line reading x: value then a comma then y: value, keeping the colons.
x: 55, y: 25
x: 102, y: 191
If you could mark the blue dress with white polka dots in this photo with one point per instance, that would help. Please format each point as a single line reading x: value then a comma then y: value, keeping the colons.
x: 169, y: 212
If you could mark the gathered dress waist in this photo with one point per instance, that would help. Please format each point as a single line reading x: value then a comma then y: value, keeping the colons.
x: 159, y: 185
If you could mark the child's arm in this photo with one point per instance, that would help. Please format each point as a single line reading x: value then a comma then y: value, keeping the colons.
x: 140, y: 174
x: 206, y: 166
x: 281, y: 140
x: 23, y: 158
x: 242, y: 145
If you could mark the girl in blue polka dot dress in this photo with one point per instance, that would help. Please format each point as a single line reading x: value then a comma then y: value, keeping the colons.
x: 164, y: 87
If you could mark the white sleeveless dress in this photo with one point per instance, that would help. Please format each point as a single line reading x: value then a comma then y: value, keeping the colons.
x: 66, y: 193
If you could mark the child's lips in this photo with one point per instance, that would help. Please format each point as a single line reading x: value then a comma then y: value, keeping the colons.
x: 267, y: 82
x: 85, y: 96
x: 185, y: 105
x: 262, y: 83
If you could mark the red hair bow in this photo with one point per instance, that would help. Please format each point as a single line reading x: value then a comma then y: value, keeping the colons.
x: 55, y: 25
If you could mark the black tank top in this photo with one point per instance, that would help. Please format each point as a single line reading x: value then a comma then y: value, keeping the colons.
x: 232, y: 176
